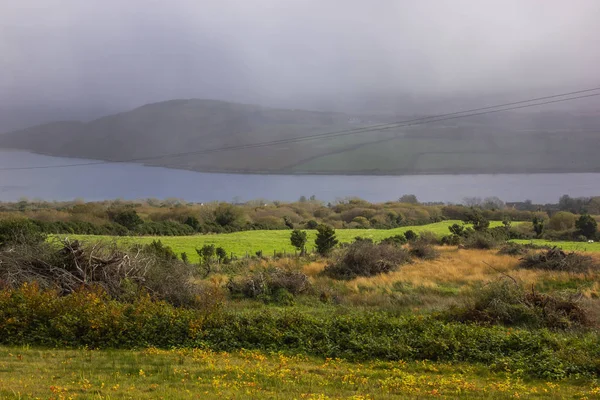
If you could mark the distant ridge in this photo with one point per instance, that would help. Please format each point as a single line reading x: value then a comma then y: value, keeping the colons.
x: 545, y: 141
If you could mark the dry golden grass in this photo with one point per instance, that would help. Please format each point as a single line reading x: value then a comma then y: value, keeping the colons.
x: 461, y: 268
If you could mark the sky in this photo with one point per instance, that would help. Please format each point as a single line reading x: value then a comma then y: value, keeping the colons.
x: 119, y: 54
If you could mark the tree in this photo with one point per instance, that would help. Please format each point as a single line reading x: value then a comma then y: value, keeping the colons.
x: 228, y: 214
x: 562, y: 221
x: 206, y: 254
x: 475, y: 217
x: 302, y: 199
x: 221, y: 254
x: 410, y: 235
x: 408, y: 198
x: 312, y: 224
x: 538, y: 225
x: 128, y: 218
x: 326, y: 239
x: 193, y: 222
x: 457, y: 229
x: 587, y: 226
x: 298, y: 239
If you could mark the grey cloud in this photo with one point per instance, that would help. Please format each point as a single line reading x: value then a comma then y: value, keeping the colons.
x: 129, y: 52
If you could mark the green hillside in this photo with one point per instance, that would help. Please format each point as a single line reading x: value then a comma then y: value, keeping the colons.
x: 507, y: 142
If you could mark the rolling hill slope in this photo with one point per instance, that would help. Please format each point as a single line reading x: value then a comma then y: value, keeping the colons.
x: 508, y: 142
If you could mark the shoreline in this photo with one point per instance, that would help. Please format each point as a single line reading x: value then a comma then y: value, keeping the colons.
x: 323, y: 173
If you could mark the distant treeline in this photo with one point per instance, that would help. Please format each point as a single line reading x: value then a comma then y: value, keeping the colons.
x: 178, y: 218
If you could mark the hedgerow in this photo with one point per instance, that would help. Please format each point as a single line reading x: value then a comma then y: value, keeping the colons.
x: 31, y: 316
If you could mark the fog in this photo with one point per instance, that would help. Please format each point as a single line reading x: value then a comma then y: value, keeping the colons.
x: 109, y: 55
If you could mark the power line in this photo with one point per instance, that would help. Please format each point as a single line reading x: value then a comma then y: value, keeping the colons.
x: 327, y: 135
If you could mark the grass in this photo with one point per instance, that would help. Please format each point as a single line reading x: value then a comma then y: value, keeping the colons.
x: 197, y: 374
x: 567, y: 246
x: 249, y: 242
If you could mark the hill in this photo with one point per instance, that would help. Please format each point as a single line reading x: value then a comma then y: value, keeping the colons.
x: 556, y: 141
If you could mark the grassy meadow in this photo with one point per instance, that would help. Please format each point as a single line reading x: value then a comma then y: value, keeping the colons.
x: 269, y: 241
x: 567, y: 246
x: 29, y: 373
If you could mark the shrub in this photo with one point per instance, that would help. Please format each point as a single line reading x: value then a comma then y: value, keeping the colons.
x: 410, y: 235
x: 506, y: 302
x: 423, y: 250
x: 557, y: 260
x: 128, y: 218
x: 326, y: 240
x: 19, y: 231
x: 481, y: 240
x: 312, y: 224
x: 270, y: 284
x: 513, y: 249
x: 298, y: 240
x: 562, y: 221
x: 396, y: 240
x: 363, y: 258
x: 153, y: 269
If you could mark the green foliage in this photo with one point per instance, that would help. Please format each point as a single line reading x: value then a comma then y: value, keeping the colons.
x: 587, y: 226
x: 89, y: 319
x: 128, y: 218
x: 396, y: 240
x: 538, y: 225
x: 410, y: 235
x: 193, y: 223
x: 19, y: 231
x: 221, y: 254
x: 312, y: 224
x: 325, y: 240
x: 506, y: 302
x: 482, y: 240
x: 298, y: 239
x: 562, y: 220
x: 457, y: 229
x: 206, y: 253
x: 479, y: 221
x: 158, y: 249
x: 228, y: 215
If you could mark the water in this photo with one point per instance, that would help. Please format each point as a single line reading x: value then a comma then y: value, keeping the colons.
x: 134, y: 181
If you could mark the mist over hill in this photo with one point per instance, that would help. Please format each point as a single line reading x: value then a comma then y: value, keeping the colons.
x: 512, y: 142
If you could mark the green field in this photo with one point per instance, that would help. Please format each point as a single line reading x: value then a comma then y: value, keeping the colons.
x: 240, y: 243
x: 568, y: 246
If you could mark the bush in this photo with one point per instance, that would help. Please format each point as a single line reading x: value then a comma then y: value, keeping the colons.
x: 410, y: 235
x: 123, y: 275
x: 423, y: 250
x: 557, y: 260
x: 363, y: 258
x: 31, y: 316
x: 270, y: 285
x: 507, y: 303
x: 396, y: 240
x: 481, y: 240
x: 19, y: 231
x: 513, y: 249
x: 562, y: 221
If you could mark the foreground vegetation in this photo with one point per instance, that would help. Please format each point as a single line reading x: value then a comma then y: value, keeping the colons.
x: 454, y: 308
x: 194, y: 374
